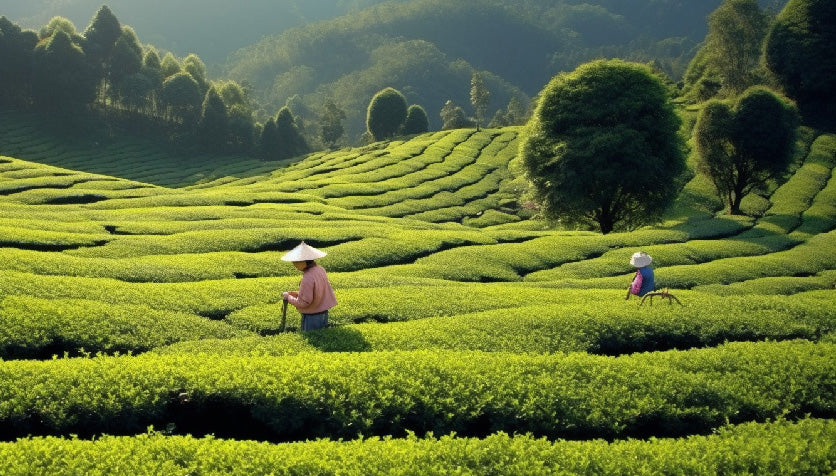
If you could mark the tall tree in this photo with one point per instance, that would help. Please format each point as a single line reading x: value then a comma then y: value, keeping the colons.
x: 735, y: 35
x: 193, y: 65
x: 290, y: 140
x: 741, y: 146
x: 729, y: 61
x: 799, y: 53
x: 152, y: 69
x: 268, y: 141
x: 479, y: 97
x: 386, y: 114
x: 126, y: 57
x: 170, y: 66
x: 240, y: 114
x: 99, y: 40
x: 16, y: 49
x: 453, y: 116
x: 603, y: 146
x: 416, y: 121
x: 101, y: 35
x: 62, y: 79
x: 331, y: 124
x: 181, y: 96
x: 213, y: 124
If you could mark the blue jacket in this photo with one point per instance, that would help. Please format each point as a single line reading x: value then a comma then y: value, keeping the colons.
x: 644, y: 281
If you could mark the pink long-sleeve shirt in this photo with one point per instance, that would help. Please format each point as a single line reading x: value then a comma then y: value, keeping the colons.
x: 315, y: 292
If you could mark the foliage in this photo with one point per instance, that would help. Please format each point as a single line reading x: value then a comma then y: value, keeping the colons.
x: 386, y: 114
x: 804, y: 447
x: 743, y: 146
x: 796, y: 52
x: 479, y: 98
x: 603, y: 147
x: 730, y: 55
x: 416, y: 121
x: 331, y: 124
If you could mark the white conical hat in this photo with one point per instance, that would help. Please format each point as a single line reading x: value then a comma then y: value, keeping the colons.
x: 640, y: 259
x: 303, y: 252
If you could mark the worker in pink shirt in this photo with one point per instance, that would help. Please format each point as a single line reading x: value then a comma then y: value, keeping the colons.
x: 315, y: 296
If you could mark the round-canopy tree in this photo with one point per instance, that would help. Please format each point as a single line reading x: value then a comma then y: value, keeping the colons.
x: 603, y: 148
x: 799, y: 52
x: 386, y: 114
x: 416, y: 121
x: 741, y: 147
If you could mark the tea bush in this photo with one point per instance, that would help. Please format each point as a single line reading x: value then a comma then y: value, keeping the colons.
x: 39, y: 328
x: 381, y: 393
x: 805, y: 448
x: 563, y: 325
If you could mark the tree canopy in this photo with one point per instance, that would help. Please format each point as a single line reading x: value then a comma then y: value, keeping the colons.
x: 386, y: 114
x: 742, y: 145
x: 603, y: 147
x: 416, y: 121
x: 799, y: 53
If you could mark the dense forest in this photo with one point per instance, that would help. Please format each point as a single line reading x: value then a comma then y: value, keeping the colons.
x: 312, y: 59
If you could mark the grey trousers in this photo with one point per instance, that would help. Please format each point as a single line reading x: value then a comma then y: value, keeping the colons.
x: 312, y: 322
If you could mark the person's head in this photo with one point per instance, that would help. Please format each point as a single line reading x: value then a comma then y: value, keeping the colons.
x: 303, y: 265
x: 640, y: 259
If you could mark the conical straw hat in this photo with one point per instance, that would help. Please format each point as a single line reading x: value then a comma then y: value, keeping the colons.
x: 640, y: 259
x: 303, y: 252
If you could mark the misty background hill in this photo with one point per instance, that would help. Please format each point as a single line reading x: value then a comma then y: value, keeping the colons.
x: 302, y: 53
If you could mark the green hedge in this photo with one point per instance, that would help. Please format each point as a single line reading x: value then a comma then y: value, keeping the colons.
x: 803, y: 448
x: 600, y: 323
x: 344, y: 395
x: 40, y: 328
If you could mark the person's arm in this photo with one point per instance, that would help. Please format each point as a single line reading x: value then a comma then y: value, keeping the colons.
x: 305, y: 296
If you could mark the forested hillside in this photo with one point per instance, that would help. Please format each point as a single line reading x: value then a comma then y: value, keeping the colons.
x: 429, y: 48
x: 303, y: 53
x: 209, y: 28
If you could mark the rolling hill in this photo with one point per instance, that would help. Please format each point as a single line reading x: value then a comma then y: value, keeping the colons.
x: 455, y: 315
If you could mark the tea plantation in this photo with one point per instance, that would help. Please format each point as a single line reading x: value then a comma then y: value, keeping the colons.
x: 140, y: 304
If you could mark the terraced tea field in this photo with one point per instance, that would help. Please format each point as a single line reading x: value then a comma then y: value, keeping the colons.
x: 467, y: 339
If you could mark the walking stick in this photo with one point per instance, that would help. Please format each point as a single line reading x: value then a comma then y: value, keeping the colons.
x: 284, y: 315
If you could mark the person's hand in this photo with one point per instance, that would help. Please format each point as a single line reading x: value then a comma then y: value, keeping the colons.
x: 285, y: 295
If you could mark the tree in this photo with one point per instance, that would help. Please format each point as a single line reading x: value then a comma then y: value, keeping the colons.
x: 240, y: 114
x: 63, y: 79
x: 268, y: 142
x: 453, y: 116
x: 386, y: 114
x: 16, y: 50
x: 99, y: 40
x: 741, y: 147
x: 331, y: 124
x: 603, y: 147
x: 479, y: 97
x: 152, y: 69
x: 101, y: 35
x: 170, y: 66
x: 736, y: 31
x: 799, y: 53
x: 729, y: 60
x: 416, y: 121
x: 181, y: 96
x: 193, y: 65
x: 290, y: 140
x: 125, y: 59
x: 213, y: 125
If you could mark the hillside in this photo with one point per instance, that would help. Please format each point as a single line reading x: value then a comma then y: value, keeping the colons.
x: 428, y: 49
x: 454, y: 316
